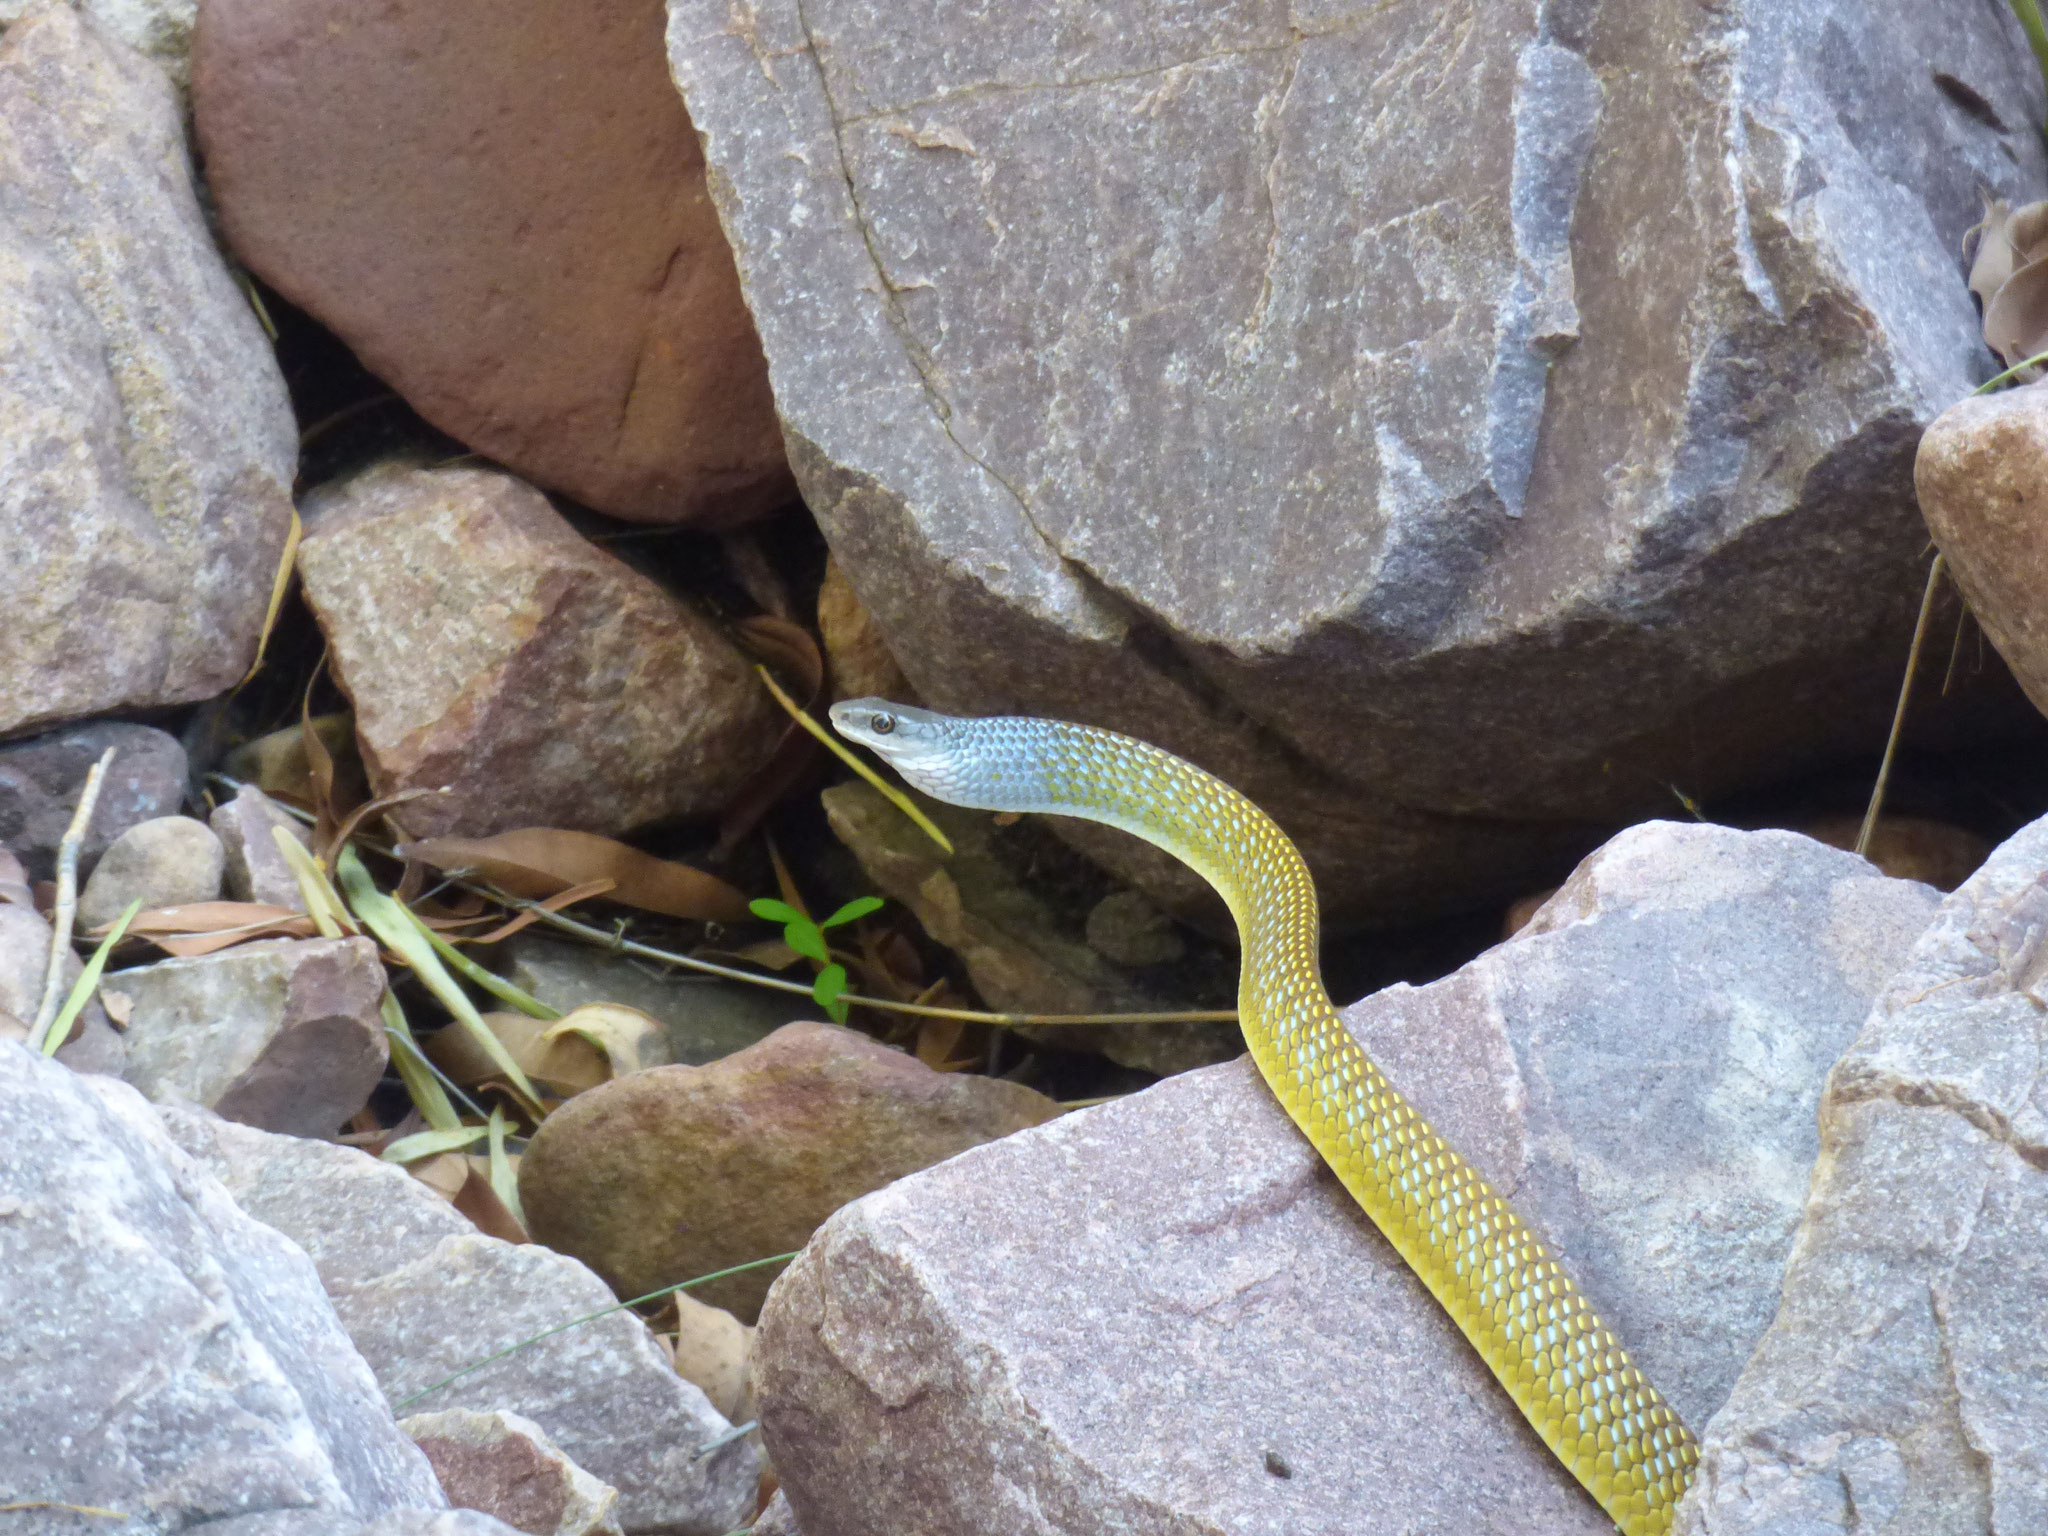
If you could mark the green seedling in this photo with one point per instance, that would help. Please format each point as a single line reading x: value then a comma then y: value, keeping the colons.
x: 807, y: 938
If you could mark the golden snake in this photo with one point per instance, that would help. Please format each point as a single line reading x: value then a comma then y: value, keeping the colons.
x: 1539, y: 1336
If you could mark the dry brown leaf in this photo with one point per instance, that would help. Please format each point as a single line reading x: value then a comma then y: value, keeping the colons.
x: 202, y: 927
x: 480, y: 1203
x: 276, y: 764
x: 2016, y: 320
x: 119, y: 1006
x: 585, y: 1047
x: 544, y: 861
x: 2006, y: 239
x: 568, y: 898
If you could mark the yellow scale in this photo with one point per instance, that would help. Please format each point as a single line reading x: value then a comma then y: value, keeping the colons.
x: 1496, y: 1278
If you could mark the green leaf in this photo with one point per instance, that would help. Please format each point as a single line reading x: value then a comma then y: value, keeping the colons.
x: 826, y: 989
x: 504, y: 1181
x: 428, y: 1096
x: 806, y: 940
x: 858, y: 908
x: 410, y: 1149
x: 775, y: 911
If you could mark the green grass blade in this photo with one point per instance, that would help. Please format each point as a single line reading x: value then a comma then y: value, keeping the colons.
x: 399, y: 932
x: 88, y: 979
x: 489, y: 981
x: 504, y: 1181
x: 428, y: 1096
x: 410, y: 1149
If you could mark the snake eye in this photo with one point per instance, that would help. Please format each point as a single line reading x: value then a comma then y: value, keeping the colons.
x: 881, y: 725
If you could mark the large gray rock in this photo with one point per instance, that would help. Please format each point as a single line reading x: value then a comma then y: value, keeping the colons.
x: 284, y: 1034
x: 152, y: 444
x: 40, y: 782
x: 1453, y: 425
x: 24, y: 963
x: 423, y: 1295
x: 256, y: 868
x: 1165, y: 1315
x: 165, y: 1355
x: 1903, y: 1386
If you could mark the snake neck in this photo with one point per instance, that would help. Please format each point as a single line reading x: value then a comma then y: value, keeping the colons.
x: 1022, y: 764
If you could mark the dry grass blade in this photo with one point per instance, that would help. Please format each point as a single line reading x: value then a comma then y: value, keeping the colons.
x: 544, y: 861
x: 399, y: 931
x: 279, y: 585
x: 585, y: 892
x: 362, y: 813
x: 323, y: 905
x: 839, y: 749
x: 66, y: 912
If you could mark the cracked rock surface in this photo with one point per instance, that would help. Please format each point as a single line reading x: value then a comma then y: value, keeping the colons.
x: 1164, y: 1316
x: 1289, y: 385
x: 1904, y: 1383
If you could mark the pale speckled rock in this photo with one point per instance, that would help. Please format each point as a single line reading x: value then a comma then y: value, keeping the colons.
x: 505, y: 1464
x: 423, y: 1294
x: 25, y: 937
x: 1012, y: 940
x: 40, y: 781
x: 152, y: 444
x: 778, y: 1519
x: 1935, y: 853
x: 167, y: 862
x: 283, y: 1034
x: 255, y: 869
x: 199, y: 1376
x: 160, y: 29
x: 1982, y: 474
x: 1315, y: 391
x: 1128, y: 1318
x: 491, y: 651
x: 1903, y: 1386
x: 704, y: 1019
x: 501, y: 209
x: 679, y: 1171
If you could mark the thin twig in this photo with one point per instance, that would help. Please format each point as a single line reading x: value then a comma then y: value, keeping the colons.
x: 618, y: 944
x: 1891, y: 746
x: 66, y: 914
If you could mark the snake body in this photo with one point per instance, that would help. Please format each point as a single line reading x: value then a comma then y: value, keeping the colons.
x: 1562, y: 1366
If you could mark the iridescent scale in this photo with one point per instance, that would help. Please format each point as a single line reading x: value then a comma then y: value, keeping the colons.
x: 1564, y: 1369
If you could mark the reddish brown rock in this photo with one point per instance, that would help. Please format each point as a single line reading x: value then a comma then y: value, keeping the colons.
x: 492, y: 652
x: 502, y: 209
x: 679, y: 1171
x: 1982, y: 475
x: 505, y: 1465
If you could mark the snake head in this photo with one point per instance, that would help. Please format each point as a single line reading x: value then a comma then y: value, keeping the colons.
x: 915, y: 742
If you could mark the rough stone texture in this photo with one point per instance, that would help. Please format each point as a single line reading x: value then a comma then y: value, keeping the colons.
x: 507, y: 1466
x: 423, y: 1294
x: 1164, y: 1315
x: 679, y: 1171
x: 1012, y: 941
x: 162, y: 29
x: 502, y: 210
x: 40, y: 782
x: 1982, y: 474
x: 25, y: 936
x: 152, y: 445
x: 255, y: 870
x: 165, y: 1355
x: 405, y: 1522
x: 1904, y: 1383
x: 704, y: 1019
x: 164, y: 862
x: 491, y: 651
x: 283, y: 1034
x: 1315, y: 391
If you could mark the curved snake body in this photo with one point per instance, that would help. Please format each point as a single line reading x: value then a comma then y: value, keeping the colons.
x: 1564, y: 1369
